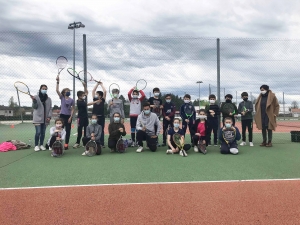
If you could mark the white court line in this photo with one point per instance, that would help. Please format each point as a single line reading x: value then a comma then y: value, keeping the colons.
x: 150, y: 183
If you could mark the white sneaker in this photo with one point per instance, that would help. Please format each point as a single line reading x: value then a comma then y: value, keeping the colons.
x: 243, y: 143
x: 84, y: 153
x: 76, y: 145
x: 169, y: 151
x: 140, y: 149
x: 215, y: 145
x: 182, y: 153
x: 50, y: 149
x: 196, y: 149
x: 42, y: 148
x: 251, y: 144
x: 133, y: 144
x: 37, y: 148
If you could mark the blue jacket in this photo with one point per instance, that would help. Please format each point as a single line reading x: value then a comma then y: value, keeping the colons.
x: 183, y: 115
x: 237, y: 135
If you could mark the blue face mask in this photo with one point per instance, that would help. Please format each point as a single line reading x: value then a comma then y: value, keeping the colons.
x: 176, y: 125
x: 147, y: 111
x: 94, y: 121
x: 116, y: 119
x: 227, y: 125
x: 168, y: 100
x: 44, y: 92
x: 68, y: 93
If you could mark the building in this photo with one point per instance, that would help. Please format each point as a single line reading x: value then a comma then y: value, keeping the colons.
x: 295, y: 112
x: 6, y: 111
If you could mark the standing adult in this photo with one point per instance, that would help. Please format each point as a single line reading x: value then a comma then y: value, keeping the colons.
x: 42, y: 112
x: 266, y: 111
x: 66, y: 111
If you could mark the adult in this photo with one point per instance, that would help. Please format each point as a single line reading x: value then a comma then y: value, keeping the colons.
x: 66, y: 111
x: 266, y: 111
x: 42, y: 112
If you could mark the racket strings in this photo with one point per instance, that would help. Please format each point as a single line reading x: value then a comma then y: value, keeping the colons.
x: 22, y: 87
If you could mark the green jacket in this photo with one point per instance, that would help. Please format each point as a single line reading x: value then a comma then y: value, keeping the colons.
x: 248, y: 108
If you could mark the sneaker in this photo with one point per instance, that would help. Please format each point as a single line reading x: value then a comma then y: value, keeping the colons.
x: 215, y: 145
x: 112, y: 150
x: 133, y: 144
x: 158, y: 145
x: 183, y: 153
x: 84, y: 153
x: 37, y: 148
x: 169, y: 151
x: 251, y: 144
x: 76, y: 145
x: 196, y: 149
x: 243, y: 143
x: 42, y: 148
x: 66, y: 147
x: 103, y: 146
x: 50, y: 149
x: 140, y: 149
x: 209, y: 145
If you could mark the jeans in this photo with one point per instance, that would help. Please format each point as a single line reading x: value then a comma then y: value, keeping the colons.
x: 39, y: 134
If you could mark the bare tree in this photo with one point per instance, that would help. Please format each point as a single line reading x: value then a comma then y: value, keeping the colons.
x: 294, y: 105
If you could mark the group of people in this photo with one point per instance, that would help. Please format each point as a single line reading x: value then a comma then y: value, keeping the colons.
x: 145, y: 120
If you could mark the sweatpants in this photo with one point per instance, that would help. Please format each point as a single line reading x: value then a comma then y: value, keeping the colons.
x: 133, y: 121
x: 247, y: 124
x: 151, y: 142
x: 225, y: 149
x: 212, y: 124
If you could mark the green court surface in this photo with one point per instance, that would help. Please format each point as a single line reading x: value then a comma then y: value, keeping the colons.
x: 26, y: 168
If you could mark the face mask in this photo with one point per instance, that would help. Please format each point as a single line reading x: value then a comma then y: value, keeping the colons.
x: 116, y: 119
x: 245, y: 99
x: 116, y: 95
x: 156, y: 94
x: 96, y: 96
x: 168, y: 100
x: 93, y: 121
x: 68, y: 93
x: 202, y: 117
x: 135, y: 96
x: 83, y: 97
x: 147, y: 111
x: 227, y: 125
x: 228, y: 101
x: 176, y: 125
x: 186, y: 101
x: 44, y: 92
x: 57, y: 126
x: 263, y: 92
x: 212, y: 101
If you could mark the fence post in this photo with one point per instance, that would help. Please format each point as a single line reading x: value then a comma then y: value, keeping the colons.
x: 84, y: 61
x: 218, y: 78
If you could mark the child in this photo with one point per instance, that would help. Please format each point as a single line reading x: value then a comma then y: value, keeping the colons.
x: 98, y: 108
x: 156, y: 105
x: 93, y: 132
x: 168, y: 116
x: 228, y: 136
x: 116, y: 129
x: 116, y: 105
x: 145, y: 126
x: 173, y: 148
x: 135, y: 110
x: 225, y: 113
x: 200, y: 129
x: 246, y: 109
x: 57, y: 134
x: 67, y: 110
x: 82, y: 117
x: 212, y: 112
x: 186, y: 120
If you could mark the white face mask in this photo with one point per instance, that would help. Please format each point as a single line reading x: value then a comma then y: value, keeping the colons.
x: 187, y: 101
x: 97, y: 96
x: 135, y: 96
x: 212, y: 101
x: 202, y: 117
x: 156, y: 94
x: 263, y: 92
x: 83, y: 97
x: 116, y: 95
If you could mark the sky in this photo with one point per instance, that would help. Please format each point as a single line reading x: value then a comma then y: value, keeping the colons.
x: 171, y: 44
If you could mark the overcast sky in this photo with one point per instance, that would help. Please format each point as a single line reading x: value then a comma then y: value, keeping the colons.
x: 171, y: 44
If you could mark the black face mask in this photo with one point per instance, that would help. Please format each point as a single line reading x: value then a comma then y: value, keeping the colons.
x: 245, y: 99
x: 228, y: 101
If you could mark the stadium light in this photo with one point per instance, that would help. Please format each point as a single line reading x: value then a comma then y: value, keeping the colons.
x: 199, y: 82
x: 74, y: 26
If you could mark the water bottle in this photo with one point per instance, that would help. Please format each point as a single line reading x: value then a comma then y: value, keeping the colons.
x: 29, y: 142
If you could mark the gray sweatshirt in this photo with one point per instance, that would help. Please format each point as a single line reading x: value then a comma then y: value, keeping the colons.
x: 38, y: 112
x: 249, y: 110
x: 96, y: 129
x: 148, y: 122
x: 116, y: 107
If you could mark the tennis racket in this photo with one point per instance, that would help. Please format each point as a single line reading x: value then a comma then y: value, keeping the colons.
x: 141, y: 84
x: 75, y: 74
x: 201, y: 147
x: 229, y: 135
x: 91, y: 148
x: 156, y: 109
x: 22, y: 87
x: 88, y: 76
x: 112, y: 87
x: 179, y: 142
x: 57, y: 149
x: 167, y: 130
x: 120, y: 146
x: 61, y: 63
x: 189, y: 110
x: 228, y: 108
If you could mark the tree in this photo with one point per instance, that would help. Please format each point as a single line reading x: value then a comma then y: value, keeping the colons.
x: 11, y: 103
x: 294, y: 105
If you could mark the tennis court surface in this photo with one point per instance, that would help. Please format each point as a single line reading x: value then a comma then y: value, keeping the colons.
x: 257, y: 186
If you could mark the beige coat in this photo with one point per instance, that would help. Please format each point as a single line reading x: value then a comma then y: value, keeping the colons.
x: 272, y: 111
